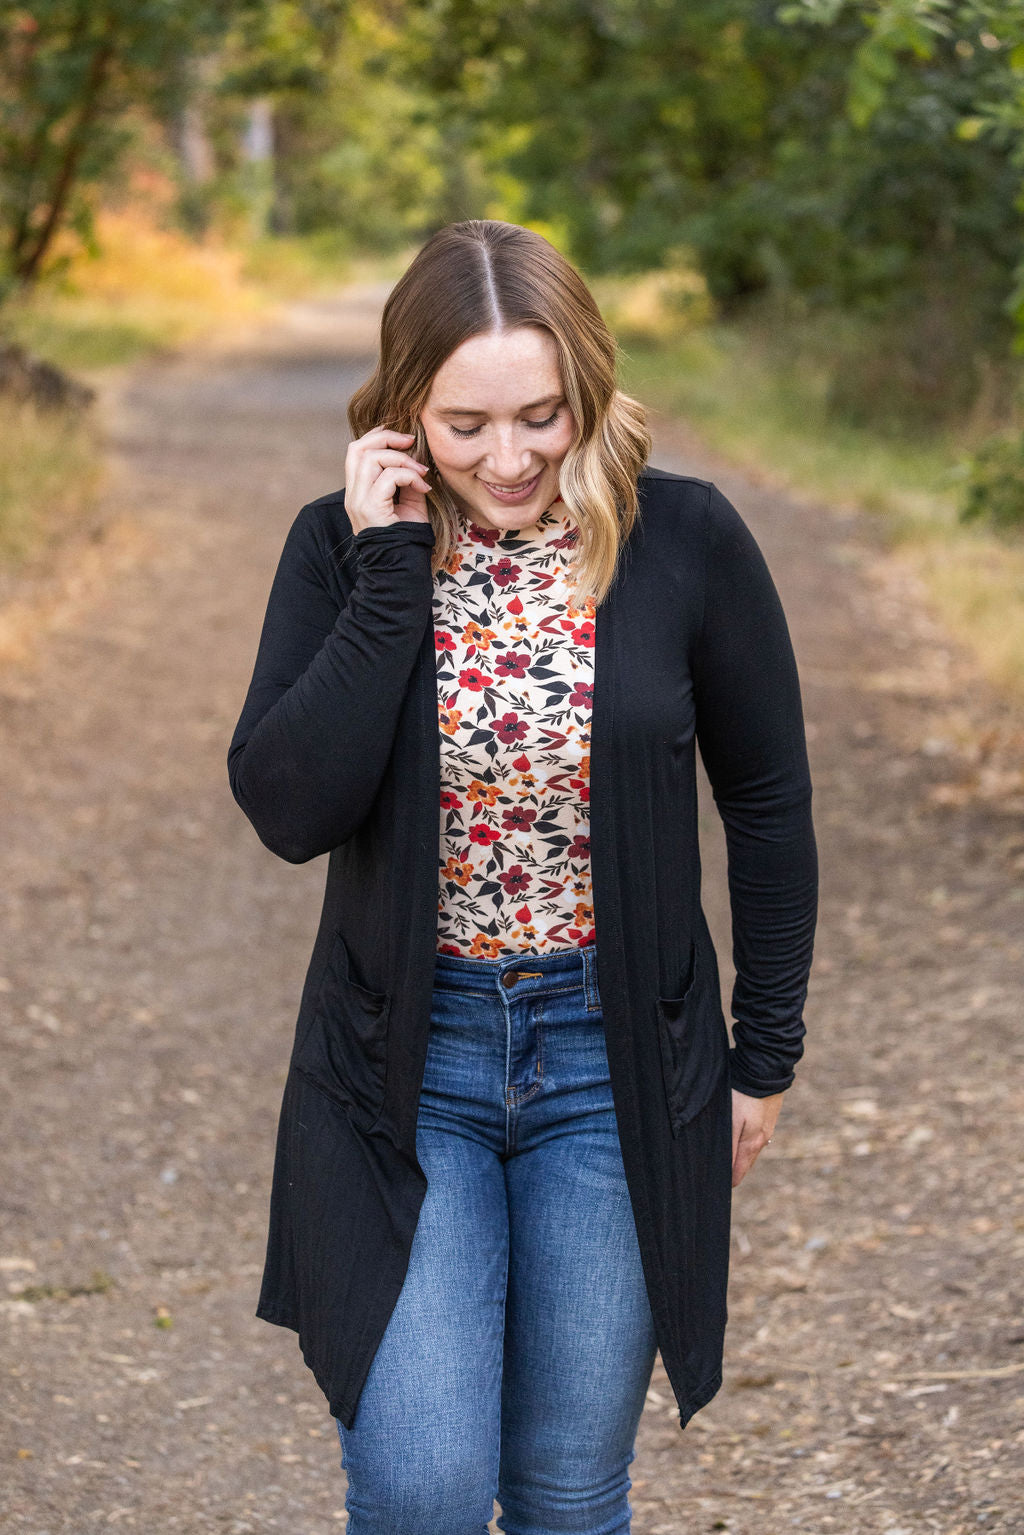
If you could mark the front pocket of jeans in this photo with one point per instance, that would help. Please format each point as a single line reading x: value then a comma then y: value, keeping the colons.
x: 692, y: 1053
x: 344, y: 1052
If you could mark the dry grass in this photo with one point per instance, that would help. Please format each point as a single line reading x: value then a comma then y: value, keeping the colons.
x: 51, y: 472
x: 76, y: 573
x: 975, y: 582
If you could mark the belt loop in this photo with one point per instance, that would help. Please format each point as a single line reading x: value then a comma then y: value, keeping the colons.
x: 589, y: 952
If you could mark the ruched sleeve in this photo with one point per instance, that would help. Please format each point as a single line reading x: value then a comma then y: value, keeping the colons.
x: 319, y: 720
x: 750, y: 732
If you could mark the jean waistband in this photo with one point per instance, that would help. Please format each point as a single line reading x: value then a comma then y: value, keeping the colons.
x: 533, y: 972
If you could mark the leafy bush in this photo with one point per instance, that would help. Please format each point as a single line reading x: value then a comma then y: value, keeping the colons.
x: 994, y: 485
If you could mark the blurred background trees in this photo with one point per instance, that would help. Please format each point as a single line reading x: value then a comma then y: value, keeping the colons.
x: 842, y: 177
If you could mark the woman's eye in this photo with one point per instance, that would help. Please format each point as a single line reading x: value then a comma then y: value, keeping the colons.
x: 458, y: 431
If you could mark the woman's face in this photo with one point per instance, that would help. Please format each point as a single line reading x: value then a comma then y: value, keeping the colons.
x: 496, y: 419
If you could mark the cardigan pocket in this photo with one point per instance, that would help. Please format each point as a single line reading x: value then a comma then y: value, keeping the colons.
x: 693, y: 1051
x: 344, y: 1051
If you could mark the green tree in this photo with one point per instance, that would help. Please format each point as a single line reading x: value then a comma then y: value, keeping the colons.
x: 71, y: 72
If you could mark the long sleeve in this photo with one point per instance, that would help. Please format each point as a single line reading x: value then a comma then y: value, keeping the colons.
x: 750, y: 731
x: 320, y: 716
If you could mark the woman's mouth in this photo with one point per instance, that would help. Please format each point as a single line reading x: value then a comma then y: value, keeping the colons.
x: 512, y: 495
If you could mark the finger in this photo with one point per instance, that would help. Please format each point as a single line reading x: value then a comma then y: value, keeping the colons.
x: 384, y: 435
x: 385, y: 456
x: 389, y: 480
x: 382, y: 438
x: 379, y: 488
x: 369, y: 469
x: 740, y: 1125
x: 363, y: 468
x: 742, y: 1165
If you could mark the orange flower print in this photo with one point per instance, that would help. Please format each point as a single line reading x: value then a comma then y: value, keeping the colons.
x: 478, y: 792
x: 458, y: 871
x: 478, y: 635
x: 484, y: 947
x: 514, y: 864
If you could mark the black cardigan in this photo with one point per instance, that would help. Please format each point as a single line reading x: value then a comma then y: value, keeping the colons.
x: 336, y: 751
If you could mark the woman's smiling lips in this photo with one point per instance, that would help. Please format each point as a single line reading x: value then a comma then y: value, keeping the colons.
x: 513, y: 496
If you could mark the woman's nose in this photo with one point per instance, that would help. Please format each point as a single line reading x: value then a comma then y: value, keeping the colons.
x: 508, y: 465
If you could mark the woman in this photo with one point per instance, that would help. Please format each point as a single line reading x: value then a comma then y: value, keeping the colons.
x: 512, y: 1117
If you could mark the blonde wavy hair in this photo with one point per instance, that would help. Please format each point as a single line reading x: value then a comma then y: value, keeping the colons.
x: 480, y: 276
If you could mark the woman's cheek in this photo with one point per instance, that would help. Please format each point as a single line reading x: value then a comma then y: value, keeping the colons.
x: 565, y: 437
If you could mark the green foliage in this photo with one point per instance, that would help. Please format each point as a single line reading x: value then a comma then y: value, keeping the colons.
x: 856, y: 158
x: 72, y: 72
x: 994, y: 484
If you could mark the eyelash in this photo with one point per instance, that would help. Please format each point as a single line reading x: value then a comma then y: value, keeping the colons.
x: 458, y: 431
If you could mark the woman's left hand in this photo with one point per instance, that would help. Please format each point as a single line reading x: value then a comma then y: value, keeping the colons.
x: 753, y: 1124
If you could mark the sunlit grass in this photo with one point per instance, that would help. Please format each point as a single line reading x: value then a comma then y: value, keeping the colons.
x: 769, y: 413
x: 773, y: 415
x: 149, y: 288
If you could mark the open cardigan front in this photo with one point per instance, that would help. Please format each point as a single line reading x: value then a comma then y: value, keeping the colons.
x: 337, y: 752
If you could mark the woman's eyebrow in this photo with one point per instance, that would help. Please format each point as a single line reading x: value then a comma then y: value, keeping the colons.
x: 466, y: 410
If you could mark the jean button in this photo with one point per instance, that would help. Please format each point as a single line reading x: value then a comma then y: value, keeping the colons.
x: 510, y: 978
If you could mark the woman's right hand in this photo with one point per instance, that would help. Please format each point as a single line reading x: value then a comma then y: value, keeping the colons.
x: 375, y: 468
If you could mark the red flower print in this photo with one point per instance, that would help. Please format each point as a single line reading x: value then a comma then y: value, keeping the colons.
x: 515, y: 651
x: 511, y: 664
x: 487, y: 537
x: 505, y: 571
x: 519, y: 818
x: 510, y: 728
x: 516, y: 880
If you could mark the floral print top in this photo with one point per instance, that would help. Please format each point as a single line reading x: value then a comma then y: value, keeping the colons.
x: 515, y: 681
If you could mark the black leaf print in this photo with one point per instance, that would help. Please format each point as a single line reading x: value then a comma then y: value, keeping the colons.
x: 515, y: 685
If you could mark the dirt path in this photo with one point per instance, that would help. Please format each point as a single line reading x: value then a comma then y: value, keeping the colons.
x: 875, y: 1362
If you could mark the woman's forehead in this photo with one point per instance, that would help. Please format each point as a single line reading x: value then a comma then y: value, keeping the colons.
x: 495, y: 371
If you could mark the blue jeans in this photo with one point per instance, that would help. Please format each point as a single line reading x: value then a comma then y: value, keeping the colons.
x: 517, y: 1359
